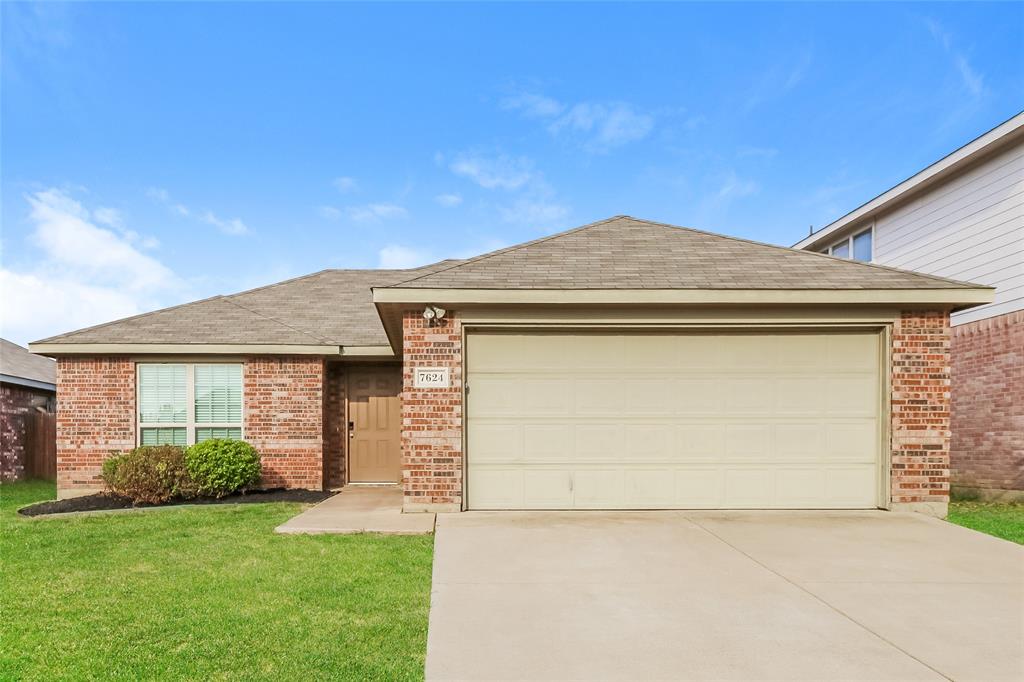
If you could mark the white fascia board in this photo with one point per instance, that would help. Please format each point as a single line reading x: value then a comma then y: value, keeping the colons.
x: 68, y: 348
x: 957, y: 297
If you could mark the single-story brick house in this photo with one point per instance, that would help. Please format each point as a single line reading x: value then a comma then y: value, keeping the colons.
x: 625, y: 364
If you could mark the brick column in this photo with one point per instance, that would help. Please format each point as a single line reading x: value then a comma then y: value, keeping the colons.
x: 284, y: 409
x: 95, y: 418
x: 921, y: 412
x: 431, y: 417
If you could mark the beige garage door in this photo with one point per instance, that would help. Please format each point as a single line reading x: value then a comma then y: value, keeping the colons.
x: 672, y: 421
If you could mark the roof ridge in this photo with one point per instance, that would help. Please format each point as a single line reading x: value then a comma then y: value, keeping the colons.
x: 130, y: 317
x: 508, y: 249
x: 280, y: 322
x: 789, y: 249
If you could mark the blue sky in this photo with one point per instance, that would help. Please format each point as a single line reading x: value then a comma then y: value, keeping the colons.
x: 158, y: 153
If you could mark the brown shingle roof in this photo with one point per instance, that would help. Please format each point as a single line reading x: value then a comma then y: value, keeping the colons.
x: 627, y: 253
x: 18, y: 362
x: 332, y: 307
x: 335, y: 307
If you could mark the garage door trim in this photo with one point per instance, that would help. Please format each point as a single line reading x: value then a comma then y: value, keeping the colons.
x: 882, y: 328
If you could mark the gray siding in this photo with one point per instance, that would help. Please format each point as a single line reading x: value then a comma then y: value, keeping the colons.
x: 969, y: 228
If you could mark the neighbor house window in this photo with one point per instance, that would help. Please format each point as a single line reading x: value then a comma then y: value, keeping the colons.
x: 182, y: 404
x: 858, y: 247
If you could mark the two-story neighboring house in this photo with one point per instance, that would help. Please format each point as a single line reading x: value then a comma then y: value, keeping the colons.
x: 963, y: 218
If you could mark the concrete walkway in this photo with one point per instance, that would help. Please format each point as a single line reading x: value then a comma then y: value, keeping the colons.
x: 723, y: 596
x: 361, y: 509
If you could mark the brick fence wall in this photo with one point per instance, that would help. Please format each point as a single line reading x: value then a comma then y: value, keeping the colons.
x: 284, y: 411
x: 432, y: 417
x: 988, y: 403
x: 95, y: 417
x: 920, y: 412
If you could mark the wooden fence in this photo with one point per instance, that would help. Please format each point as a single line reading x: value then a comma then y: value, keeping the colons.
x: 40, y: 444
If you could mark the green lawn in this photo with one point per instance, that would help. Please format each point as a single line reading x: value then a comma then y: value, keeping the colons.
x: 205, y: 593
x: 1003, y: 520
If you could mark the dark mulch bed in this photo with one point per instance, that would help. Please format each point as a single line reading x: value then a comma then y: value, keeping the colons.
x: 104, y: 501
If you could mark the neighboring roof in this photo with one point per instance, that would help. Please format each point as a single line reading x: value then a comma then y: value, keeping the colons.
x: 628, y: 253
x: 1006, y: 133
x: 19, y: 366
x: 327, y: 308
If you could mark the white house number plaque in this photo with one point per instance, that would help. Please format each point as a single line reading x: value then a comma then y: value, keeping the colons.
x: 432, y: 377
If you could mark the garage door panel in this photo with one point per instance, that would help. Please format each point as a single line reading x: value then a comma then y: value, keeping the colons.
x: 648, y: 397
x: 597, y: 397
x: 599, y: 442
x: 748, y: 442
x: 548, y: 443
x: 492, y: 442
x: 599, y: 488
x: 852, y: 440
x: 751, y: 397
x: 699, y: 488
x: 851, y: 486
x: 649, y: 487
x: 700, y: 441
x: 547, y: 488
x: 800, y: 396
x: 852, y: 396
x: 699, y: 421
x: 496, y: 488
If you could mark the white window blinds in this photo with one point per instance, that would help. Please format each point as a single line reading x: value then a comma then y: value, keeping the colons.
x: 162, y: 394
x: 218, y: 394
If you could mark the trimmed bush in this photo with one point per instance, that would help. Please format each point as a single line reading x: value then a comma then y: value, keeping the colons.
x: 150, y: 474
x: 220, y: 467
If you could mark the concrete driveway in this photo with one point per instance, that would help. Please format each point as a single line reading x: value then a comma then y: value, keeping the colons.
x: 723, y: 596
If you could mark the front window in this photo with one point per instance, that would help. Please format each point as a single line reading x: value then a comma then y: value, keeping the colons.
x: 182, y: 404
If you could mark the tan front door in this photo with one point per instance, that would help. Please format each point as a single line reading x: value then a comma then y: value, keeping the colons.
x: 374, y: 412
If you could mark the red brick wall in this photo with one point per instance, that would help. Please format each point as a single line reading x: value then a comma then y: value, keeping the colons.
x: 335, y: 425
x: 920, y: 409
x: 18, y: 405
x: 432, y: 417
x: 988, y: 403
x: 284, y: 411
x: 95, y: 417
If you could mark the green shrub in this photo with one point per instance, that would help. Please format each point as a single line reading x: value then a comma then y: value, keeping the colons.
x: 220, y: 467
x: 150, y: 474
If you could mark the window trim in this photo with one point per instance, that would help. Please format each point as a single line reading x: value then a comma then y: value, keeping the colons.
x: 190, y: 424
x: 848, y: 240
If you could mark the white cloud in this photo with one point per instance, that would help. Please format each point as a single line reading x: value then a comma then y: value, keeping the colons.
x: 344, y: 184
x: 493, y: 172
x: 734, y: 187
x: 448, y: 200
x: 398, y: 257
x: 329, y: 212
x: 158, y: 194
x: 231, y: 226
x: 107, y: 216
x: 971, y: 79
x: 375, y: 212
x: 598, y: 126
x: 533, y: 105
x: 604, y: 126
x: 85, y: 274
x: 535, y: 213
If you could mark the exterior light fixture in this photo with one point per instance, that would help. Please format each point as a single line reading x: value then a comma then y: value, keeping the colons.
x: 433, y: 314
